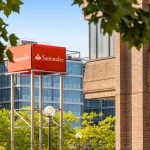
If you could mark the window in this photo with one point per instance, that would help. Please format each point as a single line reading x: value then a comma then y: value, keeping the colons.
x: 100, y: 45
x: 74, y: 68
x: 26, y: 93
x: 72, y: 96
x: 56, y: 82
x: 17, y: 93
x: 72, y: 82
x: 3, y: 67
x: 47, y: 81
x: 56, y: 95
x: 47, y: 94
x: 25, y: 79
x: 16, y: 79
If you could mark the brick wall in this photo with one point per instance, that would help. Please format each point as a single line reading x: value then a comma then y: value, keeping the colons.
x: 127, y: 78
x: 99, y: 78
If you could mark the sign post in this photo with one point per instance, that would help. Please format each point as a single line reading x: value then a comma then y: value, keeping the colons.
x: 32, y: 110
x: 12, y: 111
x: 37, y: 59
x: 40, y: 112
x: 61, y: 112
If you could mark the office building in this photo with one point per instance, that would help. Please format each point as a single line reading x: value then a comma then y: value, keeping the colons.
x: 121, y: 74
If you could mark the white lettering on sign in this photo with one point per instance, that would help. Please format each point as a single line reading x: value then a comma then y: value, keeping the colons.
x: 22, y: 58
x: 48, y: 58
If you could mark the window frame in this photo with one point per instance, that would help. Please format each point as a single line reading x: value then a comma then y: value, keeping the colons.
x: 111, y: 43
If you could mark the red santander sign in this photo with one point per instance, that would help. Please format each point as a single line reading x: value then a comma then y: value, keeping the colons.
x: 38, y: 57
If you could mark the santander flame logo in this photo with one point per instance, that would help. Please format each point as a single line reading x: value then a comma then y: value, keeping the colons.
x: 38, y: 57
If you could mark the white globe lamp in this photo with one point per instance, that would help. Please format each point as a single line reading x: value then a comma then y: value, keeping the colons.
x: 49, y: 111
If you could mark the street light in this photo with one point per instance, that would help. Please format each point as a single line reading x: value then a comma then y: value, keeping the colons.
x: 78, y: 136
x: 49, y: 112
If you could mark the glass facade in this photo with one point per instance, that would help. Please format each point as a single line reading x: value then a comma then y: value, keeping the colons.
x: 100, y: 45
x: 73, y: 89
x: 107, y: 107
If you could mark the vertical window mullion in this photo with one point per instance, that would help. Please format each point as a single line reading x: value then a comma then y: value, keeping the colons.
x: 89, y: 41
x: 97, y: 40
x: 92, y: 41
x: 109, y: 45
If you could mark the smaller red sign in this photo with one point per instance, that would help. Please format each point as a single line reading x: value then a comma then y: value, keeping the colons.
x: 22, y: 58
x: 50, y: 58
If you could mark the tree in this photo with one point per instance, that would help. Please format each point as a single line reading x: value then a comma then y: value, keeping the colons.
x: 94, y: 137
x: 4, y: 128
x: 124, y: 16
x: 7, y: 7
x: 22, y: 135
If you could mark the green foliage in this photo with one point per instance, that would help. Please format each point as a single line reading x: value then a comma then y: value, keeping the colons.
x: 4, y: 128
x: 22, y: 135
x: 7, y: 7
x: 122, y: 16
x: 94, y: 137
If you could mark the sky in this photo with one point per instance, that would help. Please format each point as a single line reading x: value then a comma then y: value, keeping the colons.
x: 55, y: 22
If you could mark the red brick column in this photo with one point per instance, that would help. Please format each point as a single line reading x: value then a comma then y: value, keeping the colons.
x: 121, y: 103
x: 132, y: 98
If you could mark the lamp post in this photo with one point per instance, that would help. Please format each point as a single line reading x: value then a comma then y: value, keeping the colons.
x: 49, y: 112
x: 78, y: 136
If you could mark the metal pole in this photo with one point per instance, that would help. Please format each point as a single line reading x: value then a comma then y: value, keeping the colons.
x: 61, y: 112
x: 40, y: 112
x: 12, y: 111
x: 79, y: 143
x: 32, y: 110
x: 49, y: 134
